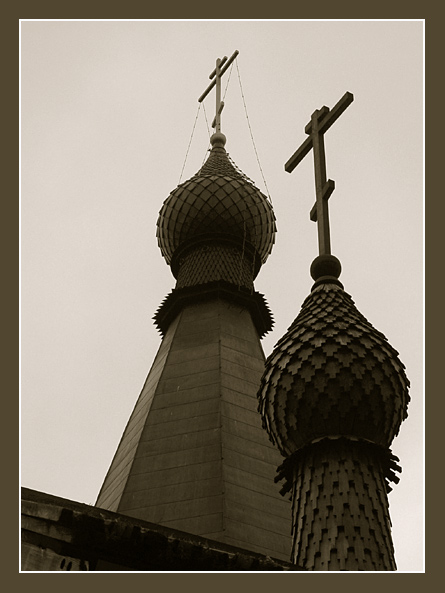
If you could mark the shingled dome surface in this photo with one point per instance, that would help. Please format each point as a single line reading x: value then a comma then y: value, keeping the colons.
x: 332, y: 374
x: 219, y: 202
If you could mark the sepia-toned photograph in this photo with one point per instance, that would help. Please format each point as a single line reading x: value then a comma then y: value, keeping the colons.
x: 222, y: 295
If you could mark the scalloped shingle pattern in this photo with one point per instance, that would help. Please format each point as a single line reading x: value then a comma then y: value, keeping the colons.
x: 210, y: 263
x: 221, y: 200
x: 340, y: 509
x: 332, y: 373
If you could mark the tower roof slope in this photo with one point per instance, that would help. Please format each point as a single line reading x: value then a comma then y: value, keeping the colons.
x: 218, y: 203
x: 332, y: 373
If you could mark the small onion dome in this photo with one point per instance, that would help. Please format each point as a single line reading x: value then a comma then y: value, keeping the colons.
x: 218, y: 203
x: 332, y: 374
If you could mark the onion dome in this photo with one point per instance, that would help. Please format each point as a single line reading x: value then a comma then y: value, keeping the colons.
x: 332, y: 374
x: 218, y: 204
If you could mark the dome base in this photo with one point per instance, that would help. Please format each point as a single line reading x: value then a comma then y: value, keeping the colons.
x: 253, y: 301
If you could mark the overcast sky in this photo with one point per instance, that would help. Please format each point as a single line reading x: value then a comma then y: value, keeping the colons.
x: 107, y: 112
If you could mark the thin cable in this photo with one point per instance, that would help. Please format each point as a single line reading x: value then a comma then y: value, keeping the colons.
x: 208, y: 131
x: 251, y: 134
x: 205, y: 114
x: 228, y: 80
x: 188, y: 148
x: 207, y: 121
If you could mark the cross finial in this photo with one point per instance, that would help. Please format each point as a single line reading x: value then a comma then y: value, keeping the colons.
x: 221, y: 67
x: 321, y: 120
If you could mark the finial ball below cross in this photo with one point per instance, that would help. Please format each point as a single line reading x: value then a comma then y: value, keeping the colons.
x: 322, y: 119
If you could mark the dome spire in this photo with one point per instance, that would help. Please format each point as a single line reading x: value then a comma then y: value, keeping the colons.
x: 216, y: 229
x: 325, y: 265
x: 221, y: 67
x: 332, y: 397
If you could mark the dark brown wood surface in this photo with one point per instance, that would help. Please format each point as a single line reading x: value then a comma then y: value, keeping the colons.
x: 194, y: 455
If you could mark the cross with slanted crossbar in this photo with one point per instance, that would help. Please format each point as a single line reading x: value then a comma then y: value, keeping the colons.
x: 221, y: 67
x: 321, y: 120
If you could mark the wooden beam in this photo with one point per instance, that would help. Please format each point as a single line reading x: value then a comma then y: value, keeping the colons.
x: 299, y: 155
x: 212, y: 84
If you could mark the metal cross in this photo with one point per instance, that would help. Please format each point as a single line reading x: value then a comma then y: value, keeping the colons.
x: 321, y: 120
x: 216, y: 75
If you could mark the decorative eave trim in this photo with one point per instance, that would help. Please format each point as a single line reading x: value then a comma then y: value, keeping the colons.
x: 387, y: 458
x: 254, y: 301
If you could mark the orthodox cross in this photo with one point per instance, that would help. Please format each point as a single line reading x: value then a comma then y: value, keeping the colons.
x: 221, y: 67
x: 321, y: 120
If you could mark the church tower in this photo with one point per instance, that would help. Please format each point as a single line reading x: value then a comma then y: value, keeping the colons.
x: 194, y: 455
x: 333, y: 397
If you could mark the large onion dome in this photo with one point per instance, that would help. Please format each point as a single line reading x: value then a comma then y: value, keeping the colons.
x: 332, y: 374
x: 218, y: 204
